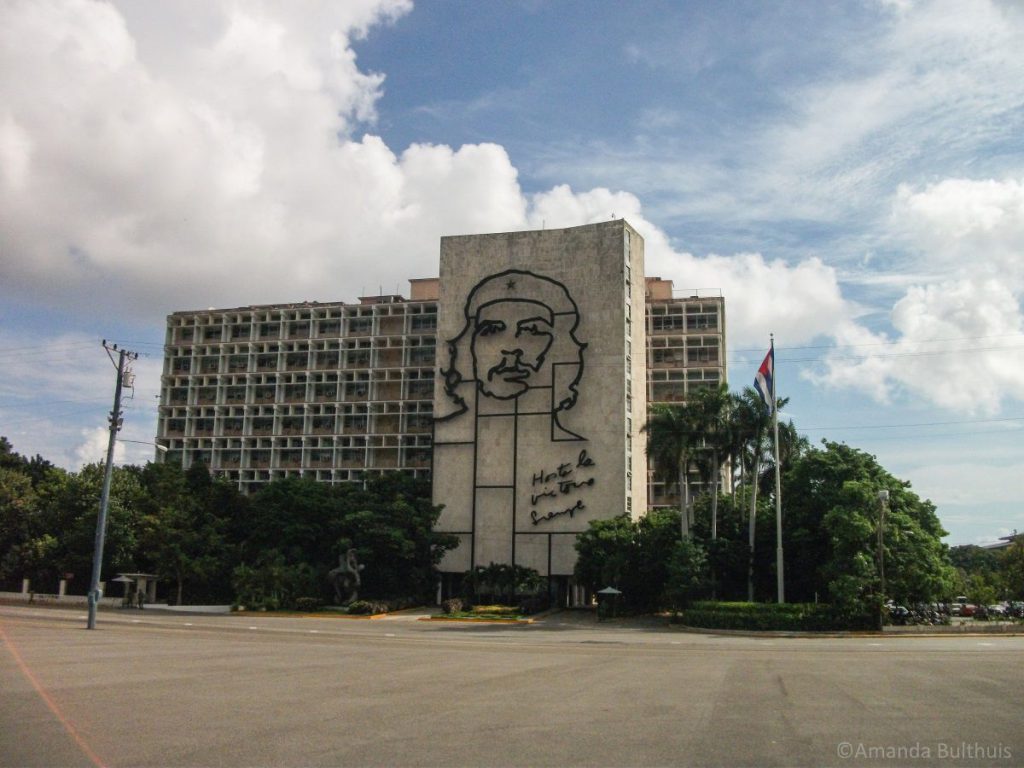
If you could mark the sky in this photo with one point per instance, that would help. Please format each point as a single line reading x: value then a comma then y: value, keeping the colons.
x: 850, y: 176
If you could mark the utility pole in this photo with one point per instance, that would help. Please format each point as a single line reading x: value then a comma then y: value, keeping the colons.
x: 101, y: 521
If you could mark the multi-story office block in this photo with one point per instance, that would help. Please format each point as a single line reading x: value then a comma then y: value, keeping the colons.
x: 333, y: 390
x: 327, y: 391
x: 685, y: 351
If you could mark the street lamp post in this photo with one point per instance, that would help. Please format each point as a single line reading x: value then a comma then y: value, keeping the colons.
x: 161, y: 450
x: 883, y: 502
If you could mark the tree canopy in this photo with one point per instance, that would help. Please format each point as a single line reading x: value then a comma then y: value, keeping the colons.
x: 209, y: 542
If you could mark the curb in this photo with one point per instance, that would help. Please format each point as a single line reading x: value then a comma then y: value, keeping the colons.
x: 297, y: 615
x: 467, y: 620
x: 833, y: 634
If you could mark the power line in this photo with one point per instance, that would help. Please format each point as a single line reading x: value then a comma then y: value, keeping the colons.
x: 886, y: 343
x: 873, y: 438
x: 36, y: 403
x: 63, y: 345
x: 920, y: 424
x: 933, y: 353
x: 47, y: 417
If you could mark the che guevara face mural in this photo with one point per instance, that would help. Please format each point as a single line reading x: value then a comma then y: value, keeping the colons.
x: 519, y: 335
x: 510, y: 342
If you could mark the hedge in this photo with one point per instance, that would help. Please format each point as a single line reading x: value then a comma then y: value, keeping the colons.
x: 793, y: 617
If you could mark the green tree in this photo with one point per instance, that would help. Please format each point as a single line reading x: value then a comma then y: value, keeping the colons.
x: 673, y: 443
x: 712, y: 417
x: 73, y: 510
x: 36, y: 468
x: 752, y: 426
x: 975, y: 564
x: 632, y: 556
x: 605, y: 554
x: 830, y: 533
x: 182, y: 533
x: 728, y: 555
x: 393, y: 530
x: 687, y: 574
x: 388, y: 520
x: 1011, y: 567
x: 17, y: 507
x: 27, y: 545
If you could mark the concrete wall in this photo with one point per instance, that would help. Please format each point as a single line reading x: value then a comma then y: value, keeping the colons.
x: 540, y: 394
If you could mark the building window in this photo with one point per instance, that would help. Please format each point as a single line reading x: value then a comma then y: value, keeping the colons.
x: 360, y: 325
x: 424, y: 322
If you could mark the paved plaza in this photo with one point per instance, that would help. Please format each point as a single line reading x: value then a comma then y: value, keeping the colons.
x: 148, y: 689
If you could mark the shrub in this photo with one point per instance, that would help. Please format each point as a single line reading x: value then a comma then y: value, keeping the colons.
x: 500, y: 583
x: 495, y: 610
x: 687, y: 573
x: 454, y: 605
x: 272, y: 584
x: 531, y: 605
x: 400, y: 603
x: 308, y: 603
x: 367, y: 607
x: 808, y: 617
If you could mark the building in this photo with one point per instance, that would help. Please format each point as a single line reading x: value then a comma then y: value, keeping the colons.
x: 541, y: 393
x: 322, y: 390
x: 333, y: 390
x: 685, y: 351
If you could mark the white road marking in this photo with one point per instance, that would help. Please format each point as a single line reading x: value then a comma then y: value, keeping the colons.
x: 986, y: 643
x: 253, y: 627
x: 314, y: 631
x: 188, y: 623
x: 136, y: 621
x: 389, y: 634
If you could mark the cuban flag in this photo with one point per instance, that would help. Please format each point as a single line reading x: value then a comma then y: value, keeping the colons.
x: 764, y: 382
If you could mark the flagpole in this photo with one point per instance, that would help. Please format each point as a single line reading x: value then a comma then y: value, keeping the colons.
x: 779, y: 569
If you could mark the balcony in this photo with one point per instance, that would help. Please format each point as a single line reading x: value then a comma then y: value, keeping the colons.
x: 323, y: 426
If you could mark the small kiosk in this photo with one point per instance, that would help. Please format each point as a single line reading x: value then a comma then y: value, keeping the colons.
x: 139, y: 589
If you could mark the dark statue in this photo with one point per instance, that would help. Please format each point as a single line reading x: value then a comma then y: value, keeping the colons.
x: 345, y: 578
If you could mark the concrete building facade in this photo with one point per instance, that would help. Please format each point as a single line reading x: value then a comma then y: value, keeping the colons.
x: 685, y: 352
x: 541, y: 392
x: 333, y: 390
x: 323, y: 390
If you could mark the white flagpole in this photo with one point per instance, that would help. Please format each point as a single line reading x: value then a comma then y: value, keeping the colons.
x: 780, y: 579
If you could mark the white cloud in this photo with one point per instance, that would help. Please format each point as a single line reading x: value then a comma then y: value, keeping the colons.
x: 971, y: 226
x: 93, y: 448
x: 796, y: 302
x: 168, y: 160
x: 187, y: 175
x: 225, y: 172
x: 957, y: 342
x: 968, y: 483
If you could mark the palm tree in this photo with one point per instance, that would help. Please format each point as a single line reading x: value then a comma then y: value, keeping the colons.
x: 752, y: 421
x: 672, y: 443
x: 712, y: 408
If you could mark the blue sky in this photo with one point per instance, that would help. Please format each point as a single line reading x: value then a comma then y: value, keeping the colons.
x: 849, y: 175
